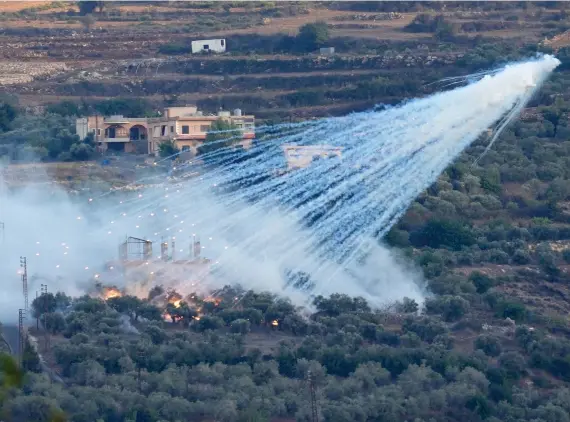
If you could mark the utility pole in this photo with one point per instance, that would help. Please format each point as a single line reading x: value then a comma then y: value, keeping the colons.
x: 44, y: 291
x: 21, y: 335
x: 37, y: 316
x: 24, y: 265
x: 312, y: 389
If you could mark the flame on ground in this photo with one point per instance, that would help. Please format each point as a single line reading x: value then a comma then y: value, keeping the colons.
x: 111, y: 292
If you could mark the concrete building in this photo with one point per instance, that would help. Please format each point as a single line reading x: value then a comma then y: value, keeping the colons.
x: 186, y: 126
x: 115, y: 133
x: 207, y: 46
x: 299, y: 156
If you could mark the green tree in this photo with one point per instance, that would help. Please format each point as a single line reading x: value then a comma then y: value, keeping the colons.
x: 313, y: 35
x: 30, y: 358
x: 10, y: 375
x: 81, y: 151
x: 481, y: 281
x: 240, y: 326
x: 54, y: 322
x: 45, y: 303
x: 150, y: 312
x: 7, y: 115
x: 452, y: 308
x: 129, y: 305
x: 132, y: 107
x: 168, y: 149
x: 489, y: 344
x: 222, y: 134
x: 443, y: 233
x: 87, y: 7
x: 65, y: 108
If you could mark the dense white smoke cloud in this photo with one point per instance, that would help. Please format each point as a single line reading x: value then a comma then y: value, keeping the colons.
x: 259, y: 228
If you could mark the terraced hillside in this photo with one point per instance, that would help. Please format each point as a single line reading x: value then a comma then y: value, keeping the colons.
x: 384, y: 52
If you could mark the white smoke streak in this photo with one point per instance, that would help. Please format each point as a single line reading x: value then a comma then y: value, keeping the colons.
x: 322, y: 221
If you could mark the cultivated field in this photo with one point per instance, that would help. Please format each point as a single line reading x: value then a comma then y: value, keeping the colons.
x: 50, y: 53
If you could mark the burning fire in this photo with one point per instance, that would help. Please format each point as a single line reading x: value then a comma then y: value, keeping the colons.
x: 110, y: 292
x: 275, y: 323
x: 174, y: 298
x: 214, y: 300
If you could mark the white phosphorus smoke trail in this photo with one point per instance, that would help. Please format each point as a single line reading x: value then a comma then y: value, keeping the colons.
x: 322, y: 222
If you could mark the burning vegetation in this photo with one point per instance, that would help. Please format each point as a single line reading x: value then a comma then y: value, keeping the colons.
x: 106, y: 292
x: 111, y: 292
x: 215, y: 310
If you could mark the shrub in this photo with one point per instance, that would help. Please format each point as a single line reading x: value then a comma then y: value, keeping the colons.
x: 481, y: 281
x: 443, y: 233
x: 313, y: 35
x: 513, y: 363
x: 451, y: 308
x: 521, y: 257
x: 488, y: 344
x: 240, y: 326
x: 209, y: 323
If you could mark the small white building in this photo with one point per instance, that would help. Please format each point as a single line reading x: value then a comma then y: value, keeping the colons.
x: 215, y: 46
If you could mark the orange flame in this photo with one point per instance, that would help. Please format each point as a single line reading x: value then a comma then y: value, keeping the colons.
x: 175, y: 299
x: 111, y: 292
x: 214, y: 300
x: 275, y: 323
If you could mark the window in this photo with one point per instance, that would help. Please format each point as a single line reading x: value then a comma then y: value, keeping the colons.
x: 206, y: 47
x: 171, y: 129
x: 163, y: 130
x: 204, y: 128
x: 185, y: 148
x: 222, y: 42
x: 98, y: 132
x: 185, y: 130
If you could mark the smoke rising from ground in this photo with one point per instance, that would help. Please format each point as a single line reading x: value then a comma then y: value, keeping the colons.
x: 310, y: 231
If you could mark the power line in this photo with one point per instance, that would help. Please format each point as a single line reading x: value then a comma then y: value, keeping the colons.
x: 37, y: 315
x: 44, y: 292
x: 24, y: 265
x: 21, y: 335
